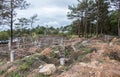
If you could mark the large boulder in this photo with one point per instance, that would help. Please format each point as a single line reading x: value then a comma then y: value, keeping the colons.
x: 47, y: 69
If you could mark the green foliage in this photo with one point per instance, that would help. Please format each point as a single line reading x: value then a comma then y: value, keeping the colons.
x: 113, y: 21
x: 3, y: 62
x: 30, y: 62
x: 80, y: 57
x: 2, y: 72
x: 40, y: 30
x: 40, y: 75
x: 23, y: 67
x: 54, y: 55
x: 14, y: 74
x: 87, y: 50
x: 66, y: 53
x: 85, y: 13
x: 93, y: 17
x: 4, y: 35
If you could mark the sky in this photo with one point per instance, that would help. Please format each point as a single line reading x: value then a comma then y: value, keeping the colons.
x: 50, y: 12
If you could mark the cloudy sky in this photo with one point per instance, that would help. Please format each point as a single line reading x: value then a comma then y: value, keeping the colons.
x: 50, y: 12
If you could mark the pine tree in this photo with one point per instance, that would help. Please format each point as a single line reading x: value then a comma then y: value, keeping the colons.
x: 117, y: 5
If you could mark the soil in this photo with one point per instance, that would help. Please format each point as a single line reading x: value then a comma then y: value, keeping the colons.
x: 92, y: 58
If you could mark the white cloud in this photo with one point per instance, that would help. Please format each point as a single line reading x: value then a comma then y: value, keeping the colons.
x: 50, y: 12
x: 52, y: 23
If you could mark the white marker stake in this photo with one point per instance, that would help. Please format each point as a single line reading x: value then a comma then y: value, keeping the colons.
x: 18, y: 44
x: 62, y: 61
x: 12, y: 56
x: 9, y: 45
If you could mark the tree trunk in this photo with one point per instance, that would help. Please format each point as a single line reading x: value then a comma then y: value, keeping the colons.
x: 11, y: 23
x: 85, y: 24
x: 90, y: 30
x: 82, y: 25
x: 85, y: 28
x: 78, y: 28
x: 2, y: 12
x: 97, y: 28
x: 97, y: 25
x: 11, y: 32
x: 101, y: 31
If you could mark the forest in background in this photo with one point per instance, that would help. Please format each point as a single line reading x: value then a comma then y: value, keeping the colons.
x: 90, y: 18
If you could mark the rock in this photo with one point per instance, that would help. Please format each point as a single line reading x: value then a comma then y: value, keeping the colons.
x: 41, y: 66
x: 83, y: 64
x: 11, y: 69
x: 84, y: 43
x: 32, y: 50
x: 46, y: 51
x: 56, y: 52
x: 73, y: 47
x: 48, y: 69
x: 114, y: 39
x: 100, y: 52
x: 111, y: 44
x: 60, y: 67
x: 34, y: 73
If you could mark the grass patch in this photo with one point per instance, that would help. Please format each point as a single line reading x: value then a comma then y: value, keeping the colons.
x: 80, y: 57
x: 66, y: 53
x: 2, y: 72
x: 14, y: 74
x: 41, y: 75
x: 2, y: 63
x: 24, y: 67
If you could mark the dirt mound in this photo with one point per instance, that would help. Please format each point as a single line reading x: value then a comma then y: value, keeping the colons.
x: 83, y: 58
x: 93, y: 69
x: 22, y: 67
x: 102, y: 63
x: 116, y: 41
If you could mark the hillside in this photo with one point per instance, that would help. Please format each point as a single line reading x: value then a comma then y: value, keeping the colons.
x: 83, y: 58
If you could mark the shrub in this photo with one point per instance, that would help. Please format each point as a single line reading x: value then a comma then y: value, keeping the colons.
x: 115, y: 56
x: 24, y: 66
x: 13, y: 74
x: 2, y: 72
x: 80, y: 57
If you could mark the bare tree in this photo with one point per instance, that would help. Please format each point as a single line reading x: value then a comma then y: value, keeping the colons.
x: 33, y: 19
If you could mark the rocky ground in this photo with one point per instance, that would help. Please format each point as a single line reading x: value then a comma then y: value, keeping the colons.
x: 83, y: 58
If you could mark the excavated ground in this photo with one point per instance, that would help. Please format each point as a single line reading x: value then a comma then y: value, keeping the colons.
x: 83, y: 58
